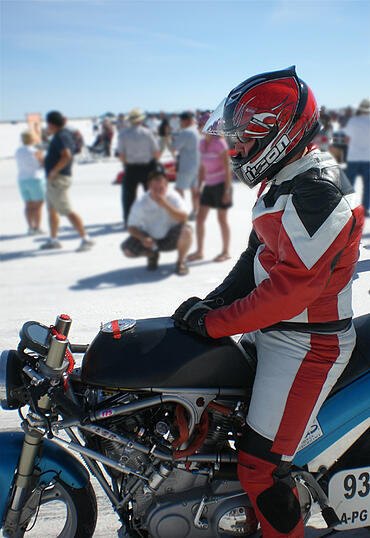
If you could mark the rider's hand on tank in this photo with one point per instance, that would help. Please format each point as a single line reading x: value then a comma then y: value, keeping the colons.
x: 196, y: 321
x: 184, y: 308
x: 190, y: 315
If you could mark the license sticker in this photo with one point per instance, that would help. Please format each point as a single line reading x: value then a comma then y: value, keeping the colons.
x: 349, y: 495
x: 315, y: 432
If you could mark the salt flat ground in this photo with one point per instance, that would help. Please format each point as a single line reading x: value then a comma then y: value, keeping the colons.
x: 101, y: 284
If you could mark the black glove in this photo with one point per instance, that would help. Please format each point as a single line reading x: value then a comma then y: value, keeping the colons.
x: 189, y: 316
x: 195, y: 322
x: 184, y: 307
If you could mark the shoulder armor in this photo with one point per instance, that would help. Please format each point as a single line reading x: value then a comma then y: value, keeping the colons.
x: 316, y: 194
x: 337, y: 177
x: 330, y: 174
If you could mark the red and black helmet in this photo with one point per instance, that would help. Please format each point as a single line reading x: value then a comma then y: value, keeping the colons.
x: 278, y: 111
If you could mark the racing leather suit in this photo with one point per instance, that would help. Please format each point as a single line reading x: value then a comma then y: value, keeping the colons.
x: 291, y: 288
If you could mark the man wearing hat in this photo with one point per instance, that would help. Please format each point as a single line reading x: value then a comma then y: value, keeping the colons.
x: 157, y: 222
x: 358, y: 158
x: 138, y: 151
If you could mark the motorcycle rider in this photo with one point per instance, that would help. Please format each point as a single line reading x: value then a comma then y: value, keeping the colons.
x: 291, y: 288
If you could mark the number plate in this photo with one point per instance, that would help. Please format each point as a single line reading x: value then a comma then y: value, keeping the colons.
x: 349, y: 495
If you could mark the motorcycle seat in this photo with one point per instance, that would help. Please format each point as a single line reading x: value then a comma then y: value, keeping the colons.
x: 155, y: 354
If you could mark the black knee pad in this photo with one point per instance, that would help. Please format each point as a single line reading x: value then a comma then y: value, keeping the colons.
x: 280, y: 507
x: 255, y: 444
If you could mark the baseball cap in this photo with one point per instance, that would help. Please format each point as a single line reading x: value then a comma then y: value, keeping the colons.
x: 158, y: 170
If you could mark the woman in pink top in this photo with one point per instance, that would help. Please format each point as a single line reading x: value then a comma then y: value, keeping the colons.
x: 215, y: 173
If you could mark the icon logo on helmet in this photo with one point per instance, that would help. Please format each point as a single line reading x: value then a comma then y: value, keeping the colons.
x: 273, y: 156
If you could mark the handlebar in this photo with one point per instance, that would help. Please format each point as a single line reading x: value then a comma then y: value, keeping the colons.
x: 78, y: 348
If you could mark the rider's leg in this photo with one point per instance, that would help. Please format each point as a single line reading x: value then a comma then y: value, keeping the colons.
x: 295, y: 373
x: 270, y: 488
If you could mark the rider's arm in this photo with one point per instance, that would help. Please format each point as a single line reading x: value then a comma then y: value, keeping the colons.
x: 302, y: 269
x: 240, y: 281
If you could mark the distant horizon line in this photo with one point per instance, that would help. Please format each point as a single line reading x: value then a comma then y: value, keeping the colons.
x: 335, y: 109
x: 90, y: 117
x: 68, y: 118
x: 97, y: 116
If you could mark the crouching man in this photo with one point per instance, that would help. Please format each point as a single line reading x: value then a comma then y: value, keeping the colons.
x: 157, y: 222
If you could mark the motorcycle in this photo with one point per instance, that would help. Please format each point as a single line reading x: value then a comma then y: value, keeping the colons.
x: 154, y: 414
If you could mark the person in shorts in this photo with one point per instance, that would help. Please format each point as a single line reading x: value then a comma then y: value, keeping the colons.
x: 186, y: 146
x: 215, y: 175
x: 58, y: 170
x: 157, y: 223
x: 31, y: 183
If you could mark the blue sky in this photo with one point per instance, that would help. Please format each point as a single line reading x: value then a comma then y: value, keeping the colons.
x: 86, y: 57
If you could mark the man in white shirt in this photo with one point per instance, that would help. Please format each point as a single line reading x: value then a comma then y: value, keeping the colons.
x: 358, y: 158
x: 157, y: 222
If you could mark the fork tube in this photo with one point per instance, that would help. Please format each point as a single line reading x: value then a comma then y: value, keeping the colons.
x: 31, y: 444
x: 57, y: 351
x: 30, y: 450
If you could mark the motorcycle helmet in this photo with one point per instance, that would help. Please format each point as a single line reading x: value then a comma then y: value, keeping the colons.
x: 278, y: 111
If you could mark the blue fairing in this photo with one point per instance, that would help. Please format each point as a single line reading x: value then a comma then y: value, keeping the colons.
x: 339, y: 415
x: 54, y: 461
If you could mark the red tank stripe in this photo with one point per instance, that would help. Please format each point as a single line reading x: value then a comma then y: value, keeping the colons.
x: 116, y: 329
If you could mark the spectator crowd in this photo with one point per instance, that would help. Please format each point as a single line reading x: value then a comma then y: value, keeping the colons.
x: 157, y: 220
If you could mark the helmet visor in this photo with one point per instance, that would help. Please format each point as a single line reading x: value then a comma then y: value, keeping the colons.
x: 216, y: 126
x: 215, y: 123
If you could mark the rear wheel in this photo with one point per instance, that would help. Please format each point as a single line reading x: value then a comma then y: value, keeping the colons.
x: 61, y: 512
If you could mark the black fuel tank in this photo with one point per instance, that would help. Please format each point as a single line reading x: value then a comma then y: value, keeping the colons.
x: 154, y: 353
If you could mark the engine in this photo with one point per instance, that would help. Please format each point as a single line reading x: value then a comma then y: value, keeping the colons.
x: 177, y: 497
x: 206, y: 507
x: 169, y: 433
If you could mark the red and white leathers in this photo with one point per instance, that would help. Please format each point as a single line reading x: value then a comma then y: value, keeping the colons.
x: 292, y: 287
x: 307, y: 219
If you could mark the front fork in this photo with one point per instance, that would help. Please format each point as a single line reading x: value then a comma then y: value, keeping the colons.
x: 23, y: 480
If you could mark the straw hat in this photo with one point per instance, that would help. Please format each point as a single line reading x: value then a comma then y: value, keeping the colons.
x: 136, y: 115
x: 364, y: 106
